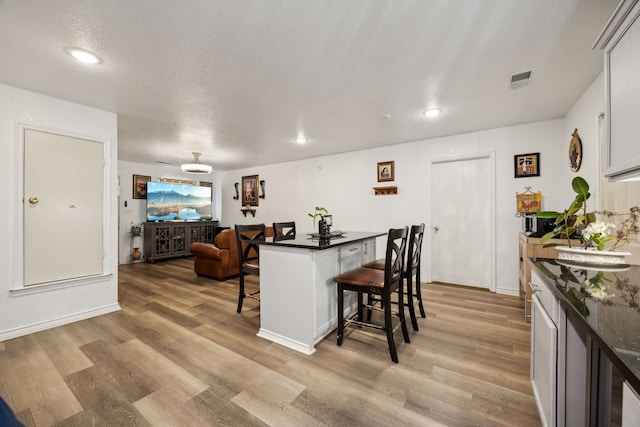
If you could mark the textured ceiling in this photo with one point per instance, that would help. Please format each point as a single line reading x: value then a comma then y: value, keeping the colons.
x: 239, y: 80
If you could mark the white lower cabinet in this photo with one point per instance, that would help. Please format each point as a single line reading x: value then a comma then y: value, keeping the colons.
x: 544, y: 350
x: 630, y: 407
x: 572, y: 379
x: 298, y: 298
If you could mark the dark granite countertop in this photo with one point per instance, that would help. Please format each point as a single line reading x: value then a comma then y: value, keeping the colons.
x: 307, y: 241
x: 613, y: 321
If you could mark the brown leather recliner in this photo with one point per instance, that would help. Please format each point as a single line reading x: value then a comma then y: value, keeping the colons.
x: 220, y: 259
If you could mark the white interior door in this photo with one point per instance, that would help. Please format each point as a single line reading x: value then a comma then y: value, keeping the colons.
x: 461, y: 211
x: 63, y: 207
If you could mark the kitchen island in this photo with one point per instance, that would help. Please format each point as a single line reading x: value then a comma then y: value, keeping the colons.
x: 587, y: 333
x: 298, y: 298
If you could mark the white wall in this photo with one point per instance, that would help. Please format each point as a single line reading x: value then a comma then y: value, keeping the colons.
x: 344, y: 185
x: 23, y: 312
x: 584, y: 117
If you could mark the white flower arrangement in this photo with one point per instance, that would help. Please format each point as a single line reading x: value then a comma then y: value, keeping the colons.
x: 595, y: 234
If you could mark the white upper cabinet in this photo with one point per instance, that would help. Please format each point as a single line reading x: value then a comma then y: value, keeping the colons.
x: 621, y: 43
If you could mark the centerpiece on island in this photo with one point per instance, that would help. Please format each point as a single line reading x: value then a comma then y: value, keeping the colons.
x: 576, y: 222
x: 325, y: 222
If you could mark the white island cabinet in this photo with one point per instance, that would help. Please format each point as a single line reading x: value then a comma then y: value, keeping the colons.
x: 621, y: 43
x: 298, y: 298
x: 630, y: 407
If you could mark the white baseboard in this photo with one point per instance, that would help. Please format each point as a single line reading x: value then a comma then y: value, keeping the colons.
x: 508, y: 291
x: 41, y: 326
x: 286, y: 342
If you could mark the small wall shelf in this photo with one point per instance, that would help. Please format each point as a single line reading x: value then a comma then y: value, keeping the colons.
x: 246, y: 211
x: 384, y: 191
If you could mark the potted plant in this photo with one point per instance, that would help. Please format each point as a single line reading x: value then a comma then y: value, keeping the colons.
x: 136, y: 229
x: 570, y: 222
x: 319, y: 212
x: 577, y: 222
x: 324, y: 224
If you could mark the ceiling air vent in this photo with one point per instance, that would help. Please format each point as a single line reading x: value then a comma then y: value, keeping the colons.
x: 520, y: 80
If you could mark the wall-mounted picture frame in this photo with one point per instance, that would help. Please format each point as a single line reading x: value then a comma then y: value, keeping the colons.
x: 140, y: 186
x: 207, y: 184
x: 526, y: 165
x: 386, y: 171
x: 250, y: 190
x: 575, y: 152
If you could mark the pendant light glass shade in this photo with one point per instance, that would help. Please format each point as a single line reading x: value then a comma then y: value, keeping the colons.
x: 196, y: 166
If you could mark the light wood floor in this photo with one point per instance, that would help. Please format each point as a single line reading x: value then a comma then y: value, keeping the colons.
x: 179, y: 355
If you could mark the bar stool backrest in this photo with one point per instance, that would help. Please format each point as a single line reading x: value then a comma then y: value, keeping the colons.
x: 394, y: 258
x: 414, y: 249
x: 284, y: 230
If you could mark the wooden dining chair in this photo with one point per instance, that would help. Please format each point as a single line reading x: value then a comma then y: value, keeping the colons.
x: 411, y: 271
x: 383, y: 283
x: 284, y: 230
x: 247, y: 238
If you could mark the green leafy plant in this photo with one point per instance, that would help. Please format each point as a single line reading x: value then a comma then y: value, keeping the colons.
x: 577, y: 223
x: 319, y: 212
x: 570, y: 222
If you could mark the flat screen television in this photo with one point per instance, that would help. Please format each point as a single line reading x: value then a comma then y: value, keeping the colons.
x: 175, y: 202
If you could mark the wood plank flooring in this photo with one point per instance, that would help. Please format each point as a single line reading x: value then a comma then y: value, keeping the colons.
x: 179, y: 355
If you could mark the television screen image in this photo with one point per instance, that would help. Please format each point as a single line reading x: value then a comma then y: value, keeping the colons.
x: 174, y: 202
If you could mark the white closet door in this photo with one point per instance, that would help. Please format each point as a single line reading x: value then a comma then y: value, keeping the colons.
x: 461, y: 217
x: 63, y: 207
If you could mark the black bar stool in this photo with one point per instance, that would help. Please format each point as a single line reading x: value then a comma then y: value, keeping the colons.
x: 411, y: 270
x: 383, y: 283
x: 248, y: 256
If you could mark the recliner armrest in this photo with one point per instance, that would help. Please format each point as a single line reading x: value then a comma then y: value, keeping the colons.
x: 207, y: 250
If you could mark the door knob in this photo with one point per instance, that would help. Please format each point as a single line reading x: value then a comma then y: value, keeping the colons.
x: 33, y: 200
x: 436, y: 229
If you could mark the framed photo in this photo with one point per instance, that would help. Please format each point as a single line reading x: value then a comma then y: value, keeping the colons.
x: 525, y: 165
x: 250, y: 190
x: 385, y: 171
x: 140, y: 186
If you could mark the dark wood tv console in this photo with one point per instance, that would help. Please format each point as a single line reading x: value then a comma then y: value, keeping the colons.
x: 172, y: 239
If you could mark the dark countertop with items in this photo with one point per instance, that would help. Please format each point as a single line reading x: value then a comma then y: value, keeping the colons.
x: 613, y: 322
x: 311, y: 241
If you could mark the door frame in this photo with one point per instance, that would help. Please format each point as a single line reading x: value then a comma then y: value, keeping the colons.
x: 492, y: 205
x: 18, y: 287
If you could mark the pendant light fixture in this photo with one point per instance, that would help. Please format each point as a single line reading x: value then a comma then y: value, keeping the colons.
x: 196, y: 166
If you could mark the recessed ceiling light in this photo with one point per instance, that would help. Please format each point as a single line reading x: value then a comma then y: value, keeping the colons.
x: 432, y: 112
x: 301, y: 140
x: 83, y: 55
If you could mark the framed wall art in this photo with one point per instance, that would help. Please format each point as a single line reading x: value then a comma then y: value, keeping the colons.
x: 250, y: 190
x: 525, y: 165
x: 575, y: 151
x: 140, y: 186
x: 385, y: 171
